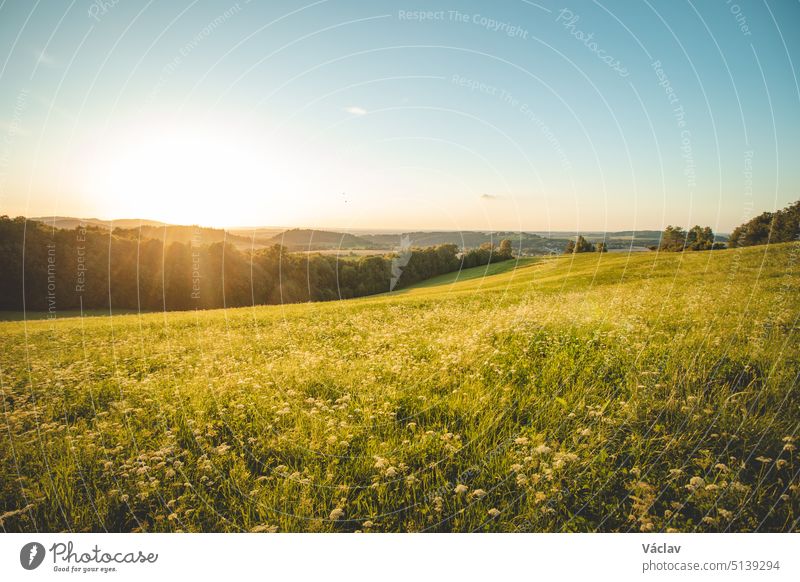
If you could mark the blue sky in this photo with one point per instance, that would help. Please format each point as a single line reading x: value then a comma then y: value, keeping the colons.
x: 472, y: 115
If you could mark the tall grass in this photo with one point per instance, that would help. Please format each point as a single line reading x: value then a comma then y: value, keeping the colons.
x: 603, y: 392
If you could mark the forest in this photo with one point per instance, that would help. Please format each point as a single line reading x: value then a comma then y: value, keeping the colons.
x: 47, y: 269
x: 769, y: 227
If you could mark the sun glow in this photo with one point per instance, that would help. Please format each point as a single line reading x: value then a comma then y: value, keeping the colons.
x: 179, y: 174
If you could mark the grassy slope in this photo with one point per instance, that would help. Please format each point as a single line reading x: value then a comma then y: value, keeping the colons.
x: 596, y: 392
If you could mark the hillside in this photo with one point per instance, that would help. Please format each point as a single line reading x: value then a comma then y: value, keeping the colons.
x: 303, y: 239
x: 526, y: 242
x: 198, y: 235
x: 596, y: 392
x: 142, y: 229
x: 69, y: 222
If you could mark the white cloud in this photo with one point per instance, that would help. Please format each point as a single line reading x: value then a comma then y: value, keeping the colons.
x: 356, y: 110
x: 45, y: 59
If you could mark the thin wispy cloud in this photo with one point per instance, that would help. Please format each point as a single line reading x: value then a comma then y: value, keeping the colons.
x: 355, y: 110
x: 45, y: 59
x: 489, y: 196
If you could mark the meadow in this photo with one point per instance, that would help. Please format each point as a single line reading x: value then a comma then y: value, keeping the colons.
x: 596, y: 392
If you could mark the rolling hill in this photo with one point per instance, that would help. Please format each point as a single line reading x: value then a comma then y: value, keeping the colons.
x: 141, y: 229
x: 600, y: 392
x: 69, y: 222
x: 304, y: 239
x: 311, y: 240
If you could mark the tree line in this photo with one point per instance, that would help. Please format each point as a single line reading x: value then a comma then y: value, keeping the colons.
x: 48, y: 269
x: 674, y: 238
x: 697, y: 238
x: 768, y: 227
x: 581, y: 245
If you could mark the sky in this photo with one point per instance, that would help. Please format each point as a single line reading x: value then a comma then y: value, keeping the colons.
x: 459, y: 115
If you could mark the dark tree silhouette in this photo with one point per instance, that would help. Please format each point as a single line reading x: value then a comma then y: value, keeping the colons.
x: 98, y: 269
x: 769, y: 227
x: 580, y: 245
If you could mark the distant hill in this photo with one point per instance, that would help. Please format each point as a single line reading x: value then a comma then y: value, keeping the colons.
x: 619, y: 239
x: 302, y: 239
x: 70, y: 222
x: 201, y: 235
x: 423, y: 239
x: 147, y: 229
x: 524, y: 242
x: 259, y: 232
x: 305, y: 239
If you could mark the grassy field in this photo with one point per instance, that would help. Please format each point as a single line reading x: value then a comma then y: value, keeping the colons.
x: 650, y: 392
x: 22, y: 315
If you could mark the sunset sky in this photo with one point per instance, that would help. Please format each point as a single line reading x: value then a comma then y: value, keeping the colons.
x: 509, y: 115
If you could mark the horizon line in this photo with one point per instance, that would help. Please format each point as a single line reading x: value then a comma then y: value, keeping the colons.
x: 348, y: 230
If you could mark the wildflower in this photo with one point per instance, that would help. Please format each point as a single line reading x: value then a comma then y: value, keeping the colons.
x: 789, y: 447
x: 264, y: 528
x: 368, y: 524
x: 696, y: 483
x: 516, y: 467
x: 721, y: 467
x: 763, y: 459
x: 542, y: 449
x: 493, y: 512
x: 460, y: 489
x: 391, y: 472
x: 740, y: 487
x: 479, y: 493
x: 521, y: 440
x: 337, y: 514
x: 586, y: 432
